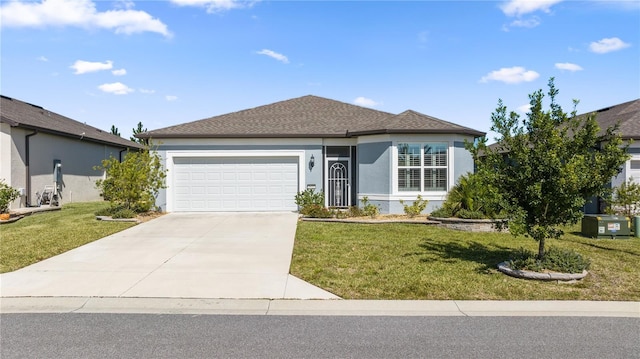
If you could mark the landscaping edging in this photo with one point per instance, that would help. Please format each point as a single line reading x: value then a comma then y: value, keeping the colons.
x: 469, y: 225
x: 564, y: 277
x: 11, y: 219
x: 370, y: 221
x: 110, y: 219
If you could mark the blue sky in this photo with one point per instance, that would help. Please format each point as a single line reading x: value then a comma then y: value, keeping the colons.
x: 169, y: 62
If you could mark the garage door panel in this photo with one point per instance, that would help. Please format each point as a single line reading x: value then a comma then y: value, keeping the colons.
x: 235, y: 183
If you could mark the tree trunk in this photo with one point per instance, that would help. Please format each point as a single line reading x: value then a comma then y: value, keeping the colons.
x: 541, y: 248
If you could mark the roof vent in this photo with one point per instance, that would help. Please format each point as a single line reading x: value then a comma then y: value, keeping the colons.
x: 604, y: 109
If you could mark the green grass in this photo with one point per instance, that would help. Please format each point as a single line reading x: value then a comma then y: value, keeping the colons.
x: 46, y: 234
x: 408, y: 261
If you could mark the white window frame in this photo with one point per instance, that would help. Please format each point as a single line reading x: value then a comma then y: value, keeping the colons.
x: 425, y: 193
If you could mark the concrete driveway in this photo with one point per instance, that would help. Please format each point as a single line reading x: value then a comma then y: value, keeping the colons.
x: 212, y: 255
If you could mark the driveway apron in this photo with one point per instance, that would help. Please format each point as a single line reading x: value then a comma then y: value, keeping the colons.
x: 178, y: 255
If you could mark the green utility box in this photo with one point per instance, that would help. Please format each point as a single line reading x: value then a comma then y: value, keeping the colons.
x: 605, y: 226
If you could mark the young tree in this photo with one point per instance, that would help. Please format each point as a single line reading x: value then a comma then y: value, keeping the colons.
x: 137, y: 130
x: 114, y: 130
x: 625, y: 198
x: 547, y: 165
x: 134, y: 183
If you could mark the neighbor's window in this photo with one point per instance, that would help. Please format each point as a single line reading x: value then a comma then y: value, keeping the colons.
x: 422, y: 167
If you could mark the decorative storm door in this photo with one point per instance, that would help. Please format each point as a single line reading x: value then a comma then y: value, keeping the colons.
x: 338, y: 190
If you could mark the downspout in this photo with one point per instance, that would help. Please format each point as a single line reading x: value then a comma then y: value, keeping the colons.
x: 26, y: 165
x: 120, y: 154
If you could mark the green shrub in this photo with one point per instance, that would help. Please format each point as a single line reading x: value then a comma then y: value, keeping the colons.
x: 355, y: 211
x: 133, y: 183
x: 442, y: 212
x: 311, y: 204
x: 316, y: 211
x: 369, y: 209
x: 555, y: 259
x: 472, y: 197
x: 468, y: 214
x: 117, y: 211
x: 7, y: 195
x: 124, y: 213
x: 416, y: 208
x: 309, y: 197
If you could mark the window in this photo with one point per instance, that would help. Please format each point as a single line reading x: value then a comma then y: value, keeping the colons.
x: 422, y: 167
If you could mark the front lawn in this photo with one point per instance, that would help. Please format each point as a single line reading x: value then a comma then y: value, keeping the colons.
x: 409, y: 261
x: 46, y: 234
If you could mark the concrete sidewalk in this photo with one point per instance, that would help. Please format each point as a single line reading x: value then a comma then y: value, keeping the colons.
x: 319, y: 307
x: 194, y: 255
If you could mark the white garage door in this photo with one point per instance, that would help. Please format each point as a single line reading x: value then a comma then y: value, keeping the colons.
x: 234, y: 183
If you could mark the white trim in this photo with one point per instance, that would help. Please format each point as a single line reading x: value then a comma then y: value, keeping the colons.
x: 236, y: 141
x: 411, y: 196
x: 170, y: 155
x: 425, y: 194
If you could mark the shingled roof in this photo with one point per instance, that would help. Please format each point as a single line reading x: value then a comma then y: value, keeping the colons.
x: 310, y: 117
x: 626, y: 114
x: 25, y: 115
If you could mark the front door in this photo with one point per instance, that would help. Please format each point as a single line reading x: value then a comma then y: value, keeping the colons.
x: 338, y: 185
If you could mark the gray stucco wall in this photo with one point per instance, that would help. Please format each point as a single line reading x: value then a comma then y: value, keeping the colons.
x: 374, y: 168
x: 462, y: 161
x: 78, y: 157
x: 313, y: 176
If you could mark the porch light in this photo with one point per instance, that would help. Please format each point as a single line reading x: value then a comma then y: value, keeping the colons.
x: 312, y: 162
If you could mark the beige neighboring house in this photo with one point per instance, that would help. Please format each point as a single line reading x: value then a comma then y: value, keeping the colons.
x: 42, y: 151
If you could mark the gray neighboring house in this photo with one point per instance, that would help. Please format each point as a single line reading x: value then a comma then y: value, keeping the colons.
x: 41, y: 148
x: 258, y: 159
x: 627, y: 115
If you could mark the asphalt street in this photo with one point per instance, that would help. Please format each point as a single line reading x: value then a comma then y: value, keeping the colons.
x: 73, y: 335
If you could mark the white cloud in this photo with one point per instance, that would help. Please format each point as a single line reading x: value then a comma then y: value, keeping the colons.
x: 43, y: 59
x: 124, y: 4
x: 83, y: 67
x: 527, y: 23
x: 275, y: 55
x: 524, y: 108
x: 79, y: 13
x: 214, y: 6
x: 147, y: 91
x: 366, y: 102
x: 120, y: 72
x: 511, y: 75
x: 171, y: 98
x: 116, y: 88
x: 568, y: 66
x: 607, y: 45
x: 522, y: 7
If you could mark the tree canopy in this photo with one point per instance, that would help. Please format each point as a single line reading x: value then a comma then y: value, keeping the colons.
x: 547, y: 165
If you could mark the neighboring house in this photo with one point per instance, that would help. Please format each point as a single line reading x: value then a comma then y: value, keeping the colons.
x: 258, y: 159
x: 41, y: 149
x: 627, y: 115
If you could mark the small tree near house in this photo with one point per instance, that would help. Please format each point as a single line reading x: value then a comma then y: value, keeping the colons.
x: 625, y: 199
x: 133, y: 184
x: 547, y: 165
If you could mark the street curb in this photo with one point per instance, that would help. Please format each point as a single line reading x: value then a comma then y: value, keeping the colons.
x: 317, y: 307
